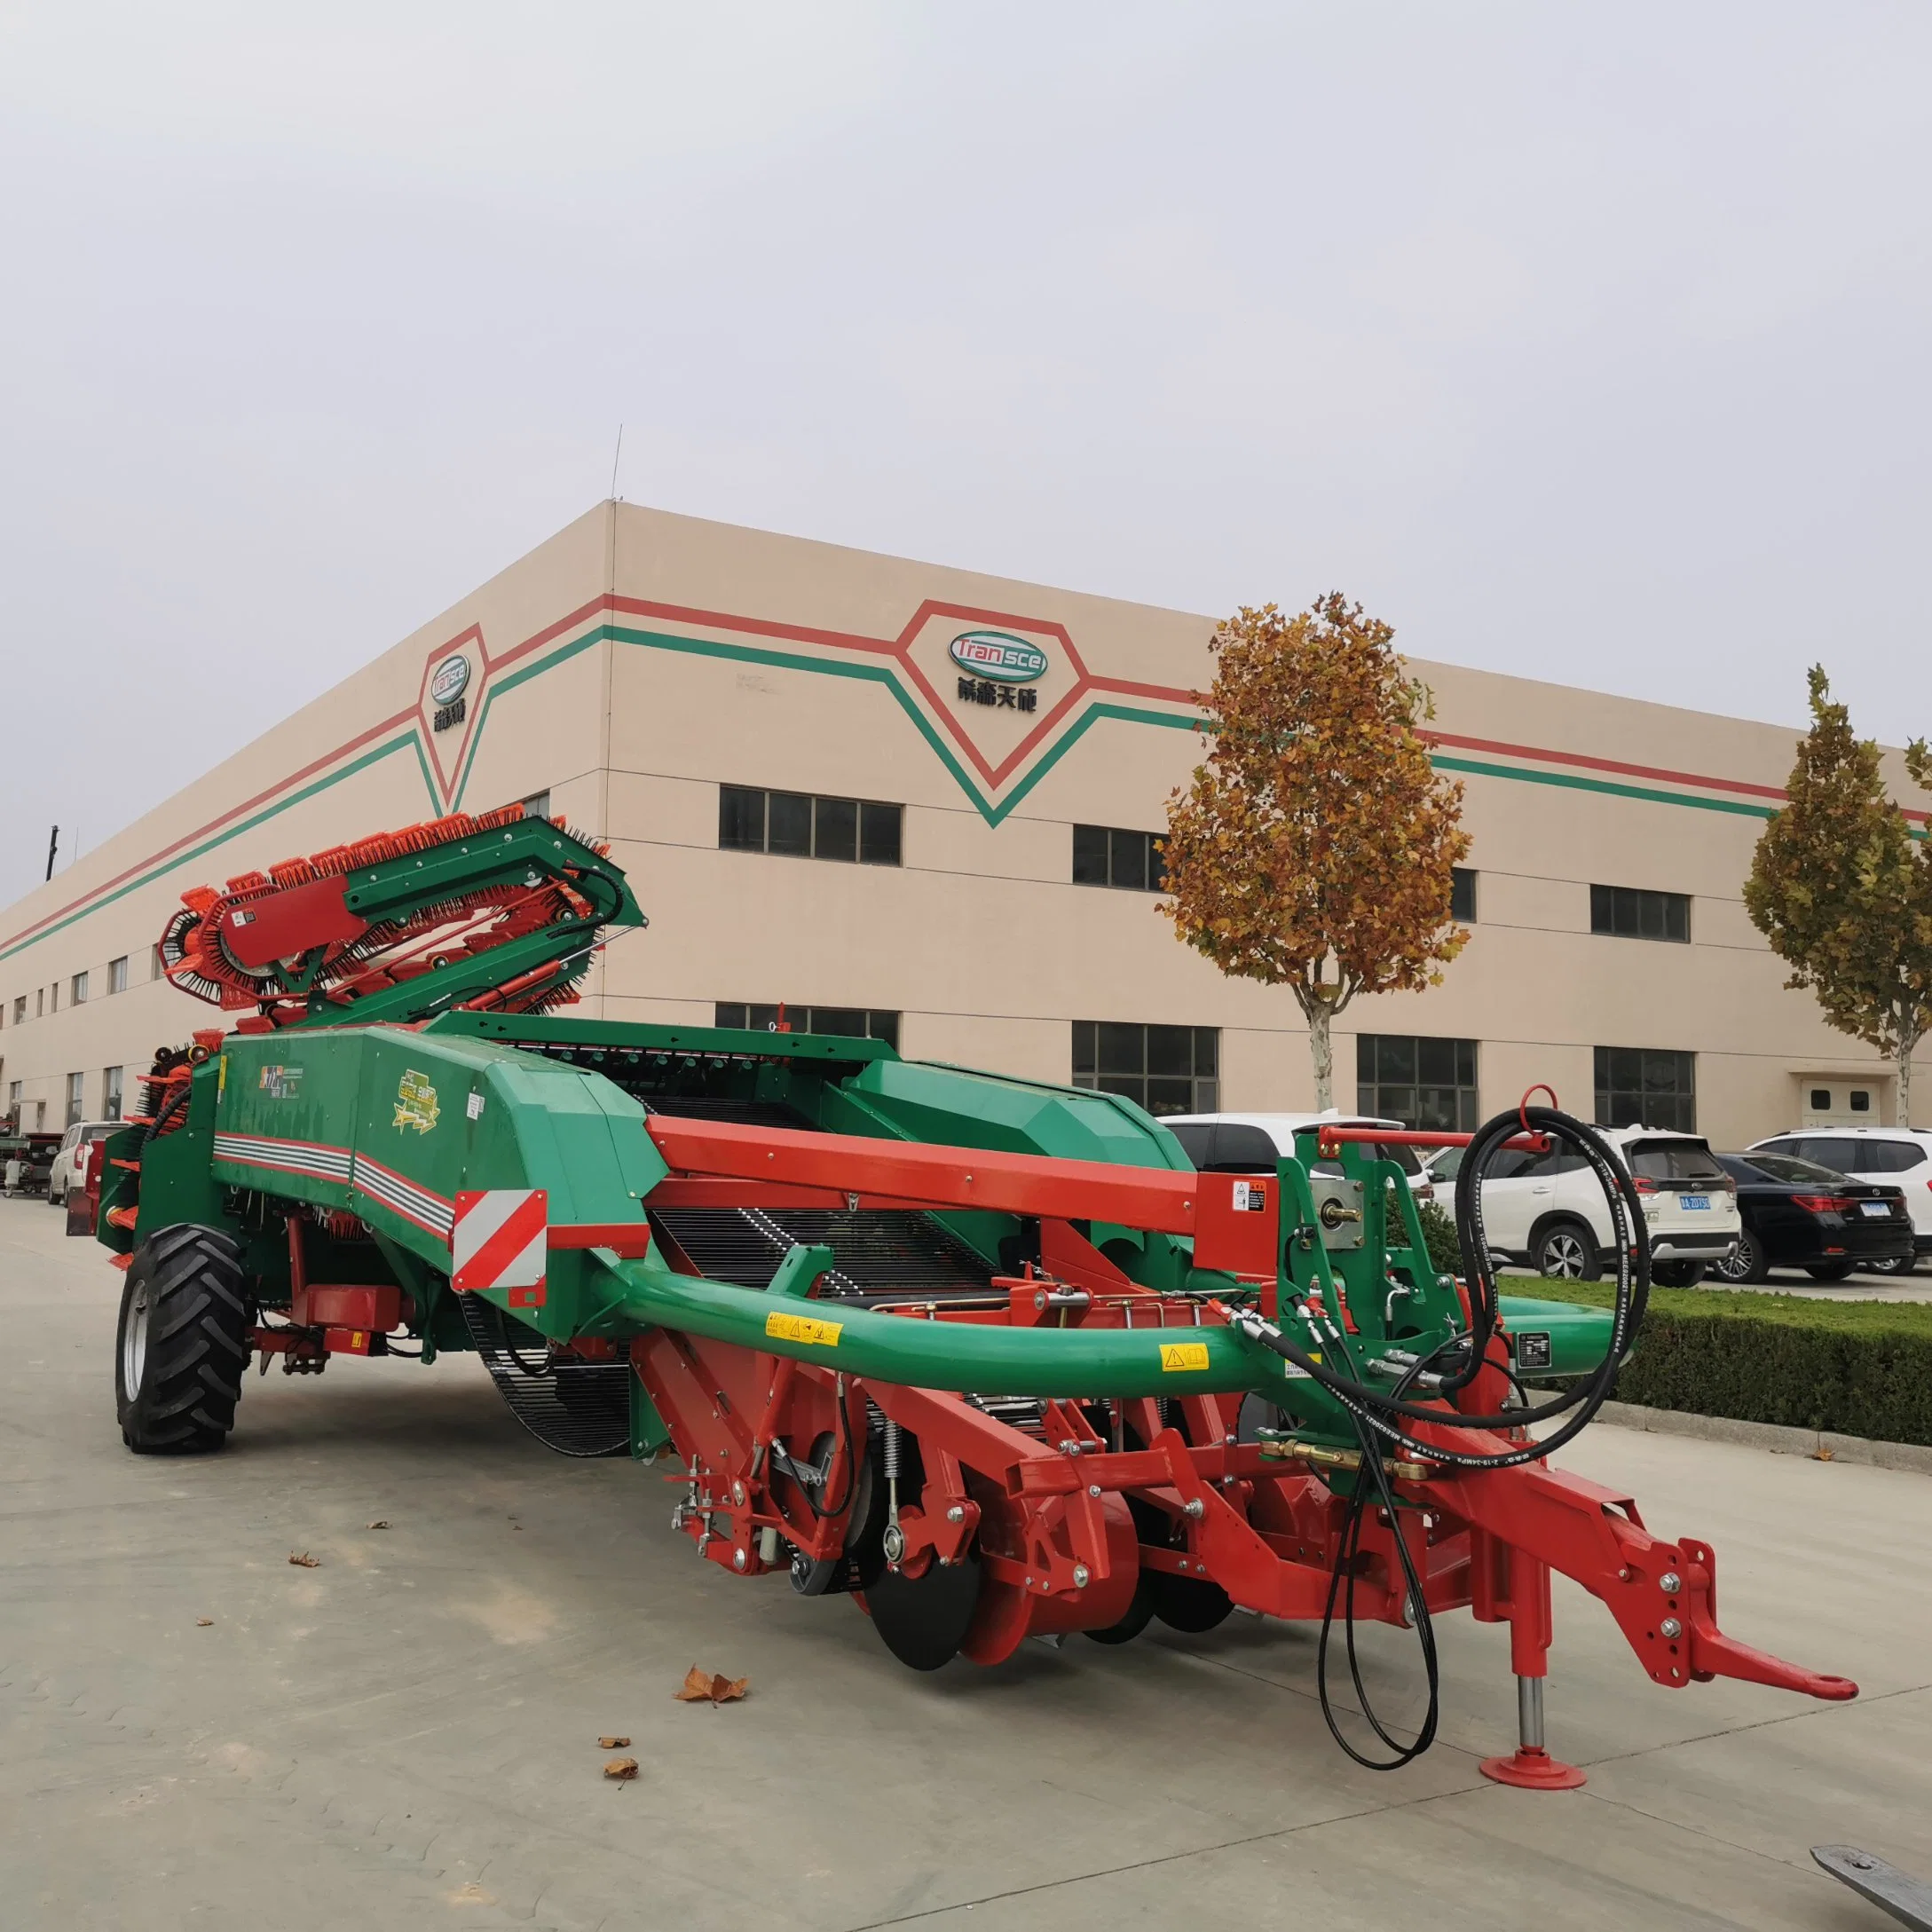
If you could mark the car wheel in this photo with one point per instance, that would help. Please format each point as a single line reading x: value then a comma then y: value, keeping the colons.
x: 1831, y: 1271
x: 1746, y: 1261
x: 56, y: 1199
x: 1567, y: 1251
x: 1676, y: 1273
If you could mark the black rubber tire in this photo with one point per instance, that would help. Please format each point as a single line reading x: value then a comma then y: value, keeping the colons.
x: 1590, y: 1265
x: 1676, y: 1273
x: 182, y: 1344
x: 1832, y: 1270
x: 1900, y: 1264
x: 1749, y: 1264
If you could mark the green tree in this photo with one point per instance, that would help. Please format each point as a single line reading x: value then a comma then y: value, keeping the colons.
x: 1314, y: 845
x: 1843, y: 891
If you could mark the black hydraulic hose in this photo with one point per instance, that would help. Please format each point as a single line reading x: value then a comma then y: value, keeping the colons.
x: 1383, y: 1409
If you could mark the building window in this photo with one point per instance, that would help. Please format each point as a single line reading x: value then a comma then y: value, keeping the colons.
x: 797, y: 825
x: 1105, y: 855
x: 1624, y: 912
x: 117, y: 974
x: 1647, y: 1086
x: 1861, y: 1101
x: 53, y: 998
x: 19, y: 1010
x: 842, y: 1022
x: 1463, y: 895
x: 79, y: 987
x: 1821, y: 1100
x: 1422, y: 1083
x: 155, y: 969
x: 110, y: 1093
x: 536, y: 805
x: 13, y: 1099
x: 76, y: 1098
x: 1165, y: 1069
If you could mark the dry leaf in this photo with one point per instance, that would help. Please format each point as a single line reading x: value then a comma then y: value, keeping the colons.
x: 1822, y: 1455
x: 203, y: 1623
x: 622, y: 1769
x: 612, y: 1744
x: 302, y: 1560
x: 703, y: 1687
x: 382, y: 1522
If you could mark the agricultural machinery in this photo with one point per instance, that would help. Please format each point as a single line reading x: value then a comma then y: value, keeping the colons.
x: 988, y: 1356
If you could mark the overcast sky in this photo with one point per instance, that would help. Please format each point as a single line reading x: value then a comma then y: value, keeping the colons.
x: 1588, y: 343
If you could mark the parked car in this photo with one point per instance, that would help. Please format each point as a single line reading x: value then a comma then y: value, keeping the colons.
x: 1548, y: 1210
x: 1251, y: 1143
x: 84, y: 1133
x: 1799, y: 1215
x: 1888, y: 1157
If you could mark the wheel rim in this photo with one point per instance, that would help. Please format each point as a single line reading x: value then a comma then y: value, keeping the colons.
x: 1562, y: 1256
x: 134, y: 1342
x: 1736, y: 1266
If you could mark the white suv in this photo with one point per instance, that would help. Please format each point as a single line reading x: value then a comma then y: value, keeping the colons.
x: 67, y: 1158
x: 1893, y: 1157
x: 1548, y: 1211
x: 1250, y: 1143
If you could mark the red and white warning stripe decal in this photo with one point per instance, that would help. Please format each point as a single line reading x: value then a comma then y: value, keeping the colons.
x: 501, y: 1240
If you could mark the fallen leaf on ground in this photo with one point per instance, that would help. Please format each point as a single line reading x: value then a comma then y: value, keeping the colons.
x: 612, y: 1744
x: 203, y: 1623
x: 302, y: 1560
x: 382, y: 1522
x: 621, y: 1768
x: 1822, y: 1455
x: 702, y: 1687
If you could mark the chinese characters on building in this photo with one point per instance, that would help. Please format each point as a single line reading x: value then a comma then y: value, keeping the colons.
x: 980, y: 690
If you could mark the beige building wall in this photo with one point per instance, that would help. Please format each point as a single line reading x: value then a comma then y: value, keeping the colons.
x: 637, y: 660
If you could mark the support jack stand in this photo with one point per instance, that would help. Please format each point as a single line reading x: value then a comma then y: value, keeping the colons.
x: 1530, y: 1767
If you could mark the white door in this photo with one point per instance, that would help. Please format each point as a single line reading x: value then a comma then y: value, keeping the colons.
x: 1837, y: 1102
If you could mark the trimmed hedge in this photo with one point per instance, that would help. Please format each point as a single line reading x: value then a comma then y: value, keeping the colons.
x: 1857, y: 1368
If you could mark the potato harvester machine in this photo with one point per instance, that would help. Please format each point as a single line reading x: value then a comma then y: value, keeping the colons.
x: 986, y: 1355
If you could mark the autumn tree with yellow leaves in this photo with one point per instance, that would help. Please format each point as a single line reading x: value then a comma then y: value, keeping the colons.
x: 1315, y: 845
x: 1843, y: 891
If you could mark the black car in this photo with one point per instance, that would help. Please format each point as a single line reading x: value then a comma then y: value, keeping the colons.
x: 1799, y: 1215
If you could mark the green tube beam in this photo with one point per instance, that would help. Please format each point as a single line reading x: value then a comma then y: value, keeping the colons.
x: 947, y: 1354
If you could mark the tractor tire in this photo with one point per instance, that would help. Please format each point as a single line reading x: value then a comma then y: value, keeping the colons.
x: 1566, y: 1250
x: 183, y: 1343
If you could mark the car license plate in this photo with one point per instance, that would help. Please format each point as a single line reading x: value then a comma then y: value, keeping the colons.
x: 1879, y: 1210
x: 1692, y: 1202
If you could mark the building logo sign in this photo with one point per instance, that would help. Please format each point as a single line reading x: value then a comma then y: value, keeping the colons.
x: 1001, y: 656
x: 447, y: 684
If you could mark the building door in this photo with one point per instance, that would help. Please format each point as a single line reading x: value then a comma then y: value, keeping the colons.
x: 1832, y: 1101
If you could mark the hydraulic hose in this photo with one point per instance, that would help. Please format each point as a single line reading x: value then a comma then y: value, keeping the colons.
x: 1385, y: 1410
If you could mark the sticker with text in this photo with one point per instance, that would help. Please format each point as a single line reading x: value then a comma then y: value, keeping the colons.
x: 807, y: 1329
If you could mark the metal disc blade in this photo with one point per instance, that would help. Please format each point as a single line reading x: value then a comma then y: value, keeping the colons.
x: 1189, y: 1603
x: 924, y: 1620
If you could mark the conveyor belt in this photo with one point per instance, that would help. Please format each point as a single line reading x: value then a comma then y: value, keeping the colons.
x: 577, y: 1408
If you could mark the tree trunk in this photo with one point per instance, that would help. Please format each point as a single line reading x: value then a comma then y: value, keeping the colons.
x: 1321, y: 1050
x: 1905, y: 1047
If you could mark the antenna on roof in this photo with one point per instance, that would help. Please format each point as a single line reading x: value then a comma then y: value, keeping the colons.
x: 615, y: 455
x: 53, y: 846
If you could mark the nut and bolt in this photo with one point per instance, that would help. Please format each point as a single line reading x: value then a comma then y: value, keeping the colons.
x: 1670, y: 1582
x: 1093, y: 1489
x: 1671, y: 1628
x: 1081, y: 1575
x: 1194, y: 1507
x: 738, y: 1559
x: 957, y: 1514
x: 738, y: 1491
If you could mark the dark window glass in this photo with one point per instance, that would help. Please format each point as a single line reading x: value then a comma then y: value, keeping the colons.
x: 1165, y: 1069
x: 1673, y: 1160
x: 741, y: 819
x: 1821, y: 1100
x: 1780, y: 1167
x: 880, y: 834
x: 1625, y: 913
x: 1861, y: 1101
x: 1646, y: 1086
x: 726, y: 1014
x: 847, y: 1021
x: 1198, y: 1139
x: 842, y: 1022
x: 1463, y: 895
x: 835, y: 829
x: 788, y: 819
x: 1243, y: 1150
x: 1886, y: 1156
x: 1837, y: 1153
x: 1108, y: 855
x: 1426, y: 1083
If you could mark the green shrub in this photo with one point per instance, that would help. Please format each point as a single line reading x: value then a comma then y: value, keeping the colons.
x: 1438, y: 1230
x: 1858, y: 1368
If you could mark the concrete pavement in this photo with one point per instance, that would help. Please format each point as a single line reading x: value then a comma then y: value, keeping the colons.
x: 406, y: 1736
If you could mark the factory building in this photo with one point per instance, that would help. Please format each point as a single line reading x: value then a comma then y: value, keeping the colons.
x: 897, y: 797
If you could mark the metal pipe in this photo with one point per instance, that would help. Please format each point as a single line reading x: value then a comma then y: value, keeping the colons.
x: 1529, y: 1713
